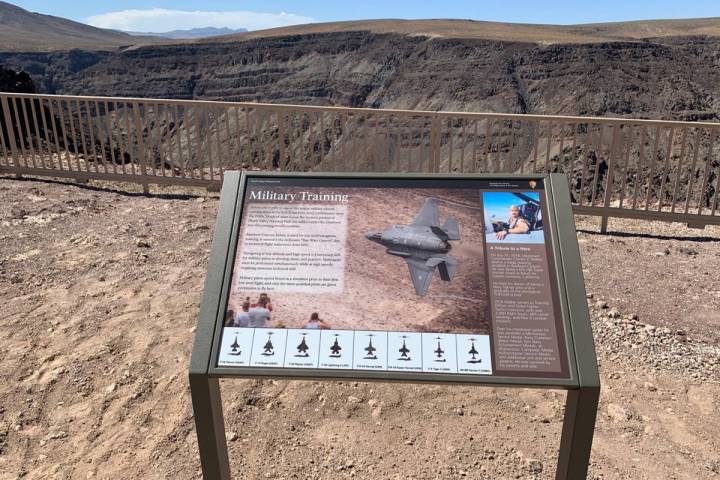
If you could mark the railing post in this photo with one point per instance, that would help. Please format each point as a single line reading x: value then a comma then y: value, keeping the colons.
x: 10, y: 129
x: 609, y: 180
x: 141, y: 147
x: 435, y: 144
x: 281, y: 139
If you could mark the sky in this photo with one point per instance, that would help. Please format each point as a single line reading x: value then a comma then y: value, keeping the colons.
x: 166, y: 15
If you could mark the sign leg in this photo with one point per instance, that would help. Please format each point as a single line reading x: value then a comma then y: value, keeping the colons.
x: 210, y: 427
x: 577, y: 433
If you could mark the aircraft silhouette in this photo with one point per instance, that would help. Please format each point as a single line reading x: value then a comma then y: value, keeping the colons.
x: 439, y: 352
x: 424, y: 245
x: 268, y: 347
x: 370, y: 350
x: 335, y: 348
x: 404, y: 351
x: 302, y: 348
x: 473, y: 352
x: 235, y: 347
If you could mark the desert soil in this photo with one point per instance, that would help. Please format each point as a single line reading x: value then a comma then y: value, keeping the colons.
x: 100, y: 289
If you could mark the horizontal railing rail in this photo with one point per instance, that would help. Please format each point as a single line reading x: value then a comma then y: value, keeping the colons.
x: 617, y: 167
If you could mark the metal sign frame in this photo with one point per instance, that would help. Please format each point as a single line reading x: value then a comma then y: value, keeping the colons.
x: 583, y: 386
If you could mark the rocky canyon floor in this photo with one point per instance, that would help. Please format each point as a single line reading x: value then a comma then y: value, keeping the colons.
x: 99, y: 292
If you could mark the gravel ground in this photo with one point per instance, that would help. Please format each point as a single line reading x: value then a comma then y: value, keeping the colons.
x: 100, y: 287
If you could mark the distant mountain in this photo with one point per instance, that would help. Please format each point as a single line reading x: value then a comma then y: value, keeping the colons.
x: 21, y: 30
x: 202, y: 32
x: 504, y: 32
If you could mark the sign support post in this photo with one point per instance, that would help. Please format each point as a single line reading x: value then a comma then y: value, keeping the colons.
x: 580, y: 404
x: 210, y: 426
x: 577, y: 433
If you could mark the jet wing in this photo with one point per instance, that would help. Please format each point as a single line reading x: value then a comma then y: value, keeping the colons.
x: 420, y: 274
x: 428, y: 216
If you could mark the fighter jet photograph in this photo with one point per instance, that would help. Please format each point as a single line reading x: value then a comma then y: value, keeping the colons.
x: 378, y: 256
x: 424, y: 245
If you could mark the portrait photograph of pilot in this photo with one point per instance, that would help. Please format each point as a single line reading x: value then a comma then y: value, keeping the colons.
x: 513, y: 217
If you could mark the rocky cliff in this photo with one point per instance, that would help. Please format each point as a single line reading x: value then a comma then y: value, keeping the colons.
x: 673, y: 78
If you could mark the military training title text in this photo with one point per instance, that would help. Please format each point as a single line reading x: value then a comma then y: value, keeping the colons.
x: 266, y: 195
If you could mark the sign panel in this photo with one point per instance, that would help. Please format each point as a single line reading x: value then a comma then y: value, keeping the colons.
x: 394, y: 275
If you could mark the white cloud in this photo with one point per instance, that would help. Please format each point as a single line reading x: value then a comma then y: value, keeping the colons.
x: 164, y: 20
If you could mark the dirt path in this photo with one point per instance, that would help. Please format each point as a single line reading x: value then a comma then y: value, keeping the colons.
x: 99, y: 292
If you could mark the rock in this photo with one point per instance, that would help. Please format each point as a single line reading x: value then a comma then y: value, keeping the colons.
x: 231, y: 436
x: 688, y: 251
x: 142, y: 243
x: 18, y: 213
x: 53, y: 436
x: 535, y: 466
x: 601, y: 304
x: 617, y: 413
x: 613, y: 313
x: 111, y: 388
x: 650, y: 387
x: 352, y: 399
x: 373, y: 402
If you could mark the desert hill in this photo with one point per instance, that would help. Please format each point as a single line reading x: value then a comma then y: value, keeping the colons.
x: 21, y: 30
x: 500, y: 31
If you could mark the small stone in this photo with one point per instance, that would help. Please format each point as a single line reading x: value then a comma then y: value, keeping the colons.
x: 535, y: 466
x: 650, y: 387
x: 231, y: 436
x: 688, y: 251
x: 601, y: 304
x: 613, y: 313
x: 142, y: 243
x: 408, y: 442
x: 372, y: 402
x: 111, y: 388
x: 353, y: 400
x: 18, y: 213
x: 617, y: 413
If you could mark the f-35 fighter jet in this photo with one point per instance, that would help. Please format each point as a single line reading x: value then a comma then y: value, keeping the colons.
x: 424, y: 245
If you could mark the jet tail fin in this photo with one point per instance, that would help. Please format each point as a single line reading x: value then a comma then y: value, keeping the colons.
x: 446, y: 266
x: 452, y: 229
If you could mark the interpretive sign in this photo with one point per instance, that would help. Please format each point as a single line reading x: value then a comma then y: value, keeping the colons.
x: 465, y: 279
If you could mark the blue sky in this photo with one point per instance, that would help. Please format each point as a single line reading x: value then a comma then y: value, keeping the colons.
x: 164, y: 15
x: 498, y: 203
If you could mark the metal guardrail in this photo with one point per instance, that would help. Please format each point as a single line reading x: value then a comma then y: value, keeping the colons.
x: 647, y: 169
